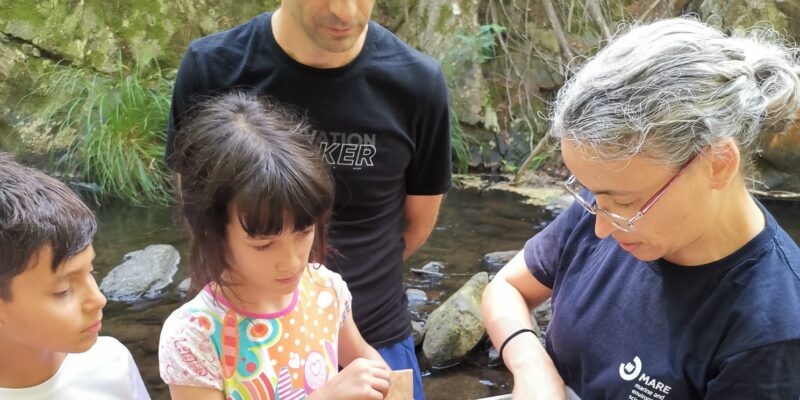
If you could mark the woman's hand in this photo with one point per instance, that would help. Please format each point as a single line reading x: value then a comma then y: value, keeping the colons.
x: 529, y: 386
x: 362, y: 379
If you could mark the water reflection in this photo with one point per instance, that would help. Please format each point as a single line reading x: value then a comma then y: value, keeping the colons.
x: 470, y: 224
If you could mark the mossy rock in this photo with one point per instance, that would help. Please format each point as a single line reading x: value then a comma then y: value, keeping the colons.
x: 19, y: 67
x: 456, y: 327
x: 744, y: 14
x: 102, y: 37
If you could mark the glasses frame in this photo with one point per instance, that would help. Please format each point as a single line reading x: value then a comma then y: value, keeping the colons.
x: 620, y: 222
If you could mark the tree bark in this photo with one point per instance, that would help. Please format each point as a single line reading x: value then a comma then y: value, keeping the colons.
x: 596, y: 14
x: 563, y: 44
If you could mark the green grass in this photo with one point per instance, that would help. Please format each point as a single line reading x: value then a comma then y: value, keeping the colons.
x: 115, y: 130
x: 459, y: 143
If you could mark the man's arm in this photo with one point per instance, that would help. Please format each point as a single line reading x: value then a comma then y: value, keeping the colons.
x: 428, y: 176
x: 419, y: 214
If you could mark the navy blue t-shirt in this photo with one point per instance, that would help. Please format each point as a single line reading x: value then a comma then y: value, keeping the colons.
x: 627, y: 329
x: 381, y: 122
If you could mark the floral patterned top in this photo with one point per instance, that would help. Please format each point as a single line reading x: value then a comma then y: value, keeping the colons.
x: 285, y: 355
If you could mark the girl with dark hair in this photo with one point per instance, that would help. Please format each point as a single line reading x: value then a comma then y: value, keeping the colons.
x: 269, y: 321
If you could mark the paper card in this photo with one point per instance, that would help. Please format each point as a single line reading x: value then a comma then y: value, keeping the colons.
x: 401, y: 385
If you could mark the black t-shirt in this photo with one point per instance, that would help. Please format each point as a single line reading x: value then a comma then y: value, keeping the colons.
x: 627, y: 329
x: 382, y: 123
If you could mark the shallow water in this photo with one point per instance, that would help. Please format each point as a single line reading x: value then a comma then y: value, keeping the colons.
x: 470, y: 224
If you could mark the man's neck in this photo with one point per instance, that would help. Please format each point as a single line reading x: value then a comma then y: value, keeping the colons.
x: 294, y: 41
x: 24, y: 367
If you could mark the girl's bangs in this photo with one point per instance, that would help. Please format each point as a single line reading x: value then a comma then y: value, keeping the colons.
x: 265, y: 213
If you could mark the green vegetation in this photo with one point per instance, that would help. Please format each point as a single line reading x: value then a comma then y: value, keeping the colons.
x: 109, y: 131
x: 477, y: 48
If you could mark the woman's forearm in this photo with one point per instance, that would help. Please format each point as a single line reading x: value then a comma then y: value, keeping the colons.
x: 505, y: 312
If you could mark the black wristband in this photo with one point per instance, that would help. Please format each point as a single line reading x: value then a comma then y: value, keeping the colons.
x: 511, y: 336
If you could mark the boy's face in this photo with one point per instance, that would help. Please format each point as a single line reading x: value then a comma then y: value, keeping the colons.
x: 57, y: 311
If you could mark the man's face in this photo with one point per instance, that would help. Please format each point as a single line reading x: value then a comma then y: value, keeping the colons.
x: 57, y: 311
x: 333, y: 25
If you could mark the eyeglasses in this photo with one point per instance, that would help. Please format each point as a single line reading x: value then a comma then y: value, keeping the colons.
x: 626, y: 224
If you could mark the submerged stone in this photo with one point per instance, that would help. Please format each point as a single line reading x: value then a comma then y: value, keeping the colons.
x: 456, y: 327
x: 143, y: 274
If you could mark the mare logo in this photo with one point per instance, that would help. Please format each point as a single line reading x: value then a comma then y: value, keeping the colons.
x: 646, y: 387
x: 631, y: 371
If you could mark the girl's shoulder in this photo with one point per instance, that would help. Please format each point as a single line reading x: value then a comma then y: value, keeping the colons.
x: 187, y: 349
x: 196, y: 315
x: 320, y: 279
x: 320, y: 275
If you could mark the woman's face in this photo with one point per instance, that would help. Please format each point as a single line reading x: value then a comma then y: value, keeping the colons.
x: 675, y: 221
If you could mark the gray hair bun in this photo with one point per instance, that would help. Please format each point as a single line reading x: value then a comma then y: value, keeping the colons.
x: 676, y: 86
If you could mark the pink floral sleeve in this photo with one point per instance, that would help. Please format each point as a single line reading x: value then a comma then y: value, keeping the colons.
x: 186, y: 356
x: 343, y: 294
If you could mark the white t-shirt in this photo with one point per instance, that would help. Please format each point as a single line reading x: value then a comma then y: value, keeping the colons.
x: 104, y: 372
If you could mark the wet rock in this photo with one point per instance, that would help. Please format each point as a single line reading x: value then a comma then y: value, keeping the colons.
x: 416, y: 297
x: 424, y: 310
x: 560, y: 203
x: 433, y: 266
x: 184, y: 286
x: 495, y: 261
x: 539, y: 332
x: 430, y: 270
x: 541, y: 315
x: 437, y: 27
x: 494, y: 356
x: 456, y: 326
x: 143, y: 274
x: 418, y: 332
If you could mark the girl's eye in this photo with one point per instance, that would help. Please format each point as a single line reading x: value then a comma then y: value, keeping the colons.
x: 62, y: 293
x: 262, y: 247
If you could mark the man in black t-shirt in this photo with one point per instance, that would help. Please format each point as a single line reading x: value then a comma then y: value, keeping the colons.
x: 379, y: 112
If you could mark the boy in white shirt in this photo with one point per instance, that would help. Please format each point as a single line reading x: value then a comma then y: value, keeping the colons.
x: 50, y: 306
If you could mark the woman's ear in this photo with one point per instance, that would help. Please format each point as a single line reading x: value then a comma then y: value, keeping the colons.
x: 725, y: 160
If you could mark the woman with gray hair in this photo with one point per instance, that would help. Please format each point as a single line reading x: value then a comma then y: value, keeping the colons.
x: 668, y: 279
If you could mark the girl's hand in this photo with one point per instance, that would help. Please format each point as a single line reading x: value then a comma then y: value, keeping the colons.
x: 362, y: 379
